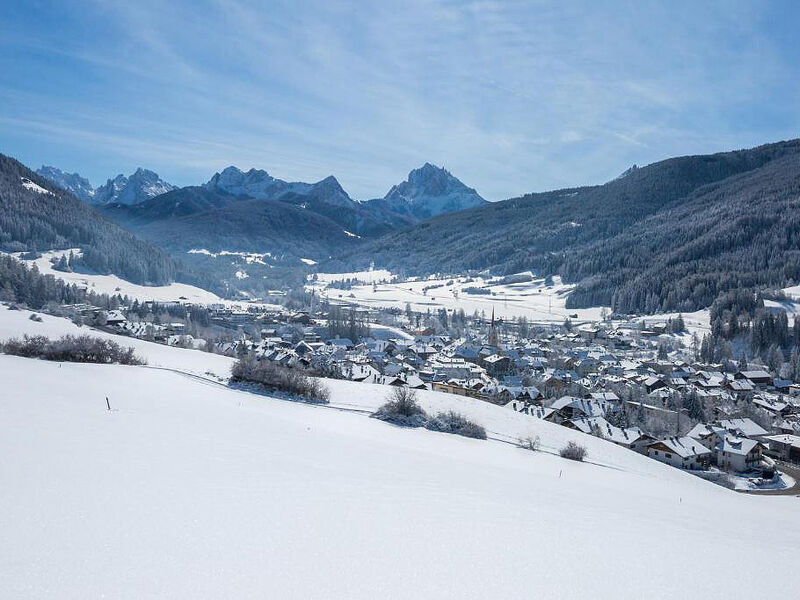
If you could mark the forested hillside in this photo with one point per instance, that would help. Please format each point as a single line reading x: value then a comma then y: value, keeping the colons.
x: 200, y: 218
x: 669, y: 236
x: 182, y: 202
x: 37, y: 215
x: 743, y: 232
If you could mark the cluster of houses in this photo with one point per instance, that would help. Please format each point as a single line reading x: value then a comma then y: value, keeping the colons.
x: 579, y: 378
x: 737, y: 445
x: 563, y: 379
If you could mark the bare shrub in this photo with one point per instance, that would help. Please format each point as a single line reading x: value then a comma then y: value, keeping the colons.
x: 529, y: 443
x: 402, y: 409
x: 276, y: 377
x: 35, y: 317
x: 453, y: 422
x: 32, y: 346
x: 71, y: 348
x: 573, y: 451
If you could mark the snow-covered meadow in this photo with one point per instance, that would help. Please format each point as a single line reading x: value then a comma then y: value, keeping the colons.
x: 111, y: 284
x: 188, y: 488
x: 534, y: 299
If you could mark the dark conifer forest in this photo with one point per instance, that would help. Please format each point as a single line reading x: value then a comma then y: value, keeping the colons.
x: 671, y: 236
x: 33, y: 220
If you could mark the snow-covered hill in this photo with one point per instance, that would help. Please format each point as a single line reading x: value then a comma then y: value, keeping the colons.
x: 111, y: 284
x: 190, y: 489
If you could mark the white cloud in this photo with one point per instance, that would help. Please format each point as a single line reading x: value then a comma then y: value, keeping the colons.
x: 510, y: 96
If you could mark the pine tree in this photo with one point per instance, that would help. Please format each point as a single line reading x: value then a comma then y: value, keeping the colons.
x: 795, y: 365
x: 62, y: 265
x: 742, y: 363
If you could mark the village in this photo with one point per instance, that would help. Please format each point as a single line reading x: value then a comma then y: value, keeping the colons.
x: 635, y: 383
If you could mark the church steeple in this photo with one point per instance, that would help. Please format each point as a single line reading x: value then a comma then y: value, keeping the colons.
x: 492, y: 332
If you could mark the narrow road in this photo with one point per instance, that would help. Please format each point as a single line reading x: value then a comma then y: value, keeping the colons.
x: 792, y: 471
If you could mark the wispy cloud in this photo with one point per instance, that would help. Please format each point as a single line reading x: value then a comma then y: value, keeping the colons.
x: 510, y: 96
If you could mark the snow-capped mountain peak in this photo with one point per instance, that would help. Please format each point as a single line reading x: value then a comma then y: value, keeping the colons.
x: 142, y: 185
x: 431, y: 190
x: 72, y: 182
x: 257, y: 183
x: 235, y: 181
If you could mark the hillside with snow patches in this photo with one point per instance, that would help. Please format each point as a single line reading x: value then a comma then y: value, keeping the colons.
x: 189, y: 488
x: 112, y: 284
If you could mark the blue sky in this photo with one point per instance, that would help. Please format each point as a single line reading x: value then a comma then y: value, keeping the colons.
x: 511, y: 97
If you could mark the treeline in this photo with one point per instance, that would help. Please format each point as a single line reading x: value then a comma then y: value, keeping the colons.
x: 20, y: 284
x: 199, y: 315
x: 34, y: 221
x: 345, y: 284
x: 27, y: 286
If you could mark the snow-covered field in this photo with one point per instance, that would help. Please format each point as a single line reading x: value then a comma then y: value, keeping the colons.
x: 111, y: 284
x: 249, y: 257
x: 697, y: 323
x: 790, y: 307
x: 385, y: 332
x: 533, y: 299
x: 370, y: 276
x: 191, y: 489
x: 792, y: 292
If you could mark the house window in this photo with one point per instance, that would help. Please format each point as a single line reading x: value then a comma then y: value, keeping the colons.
x: 668, y: 455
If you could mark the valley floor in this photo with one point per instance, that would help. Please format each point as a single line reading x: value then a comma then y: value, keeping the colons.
x: 533, y: 299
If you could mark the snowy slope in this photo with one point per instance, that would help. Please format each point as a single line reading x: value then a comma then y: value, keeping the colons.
x: 502, y: 424
x: 16, y: 323
x: 111, y: 284
x: 191, y: 490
